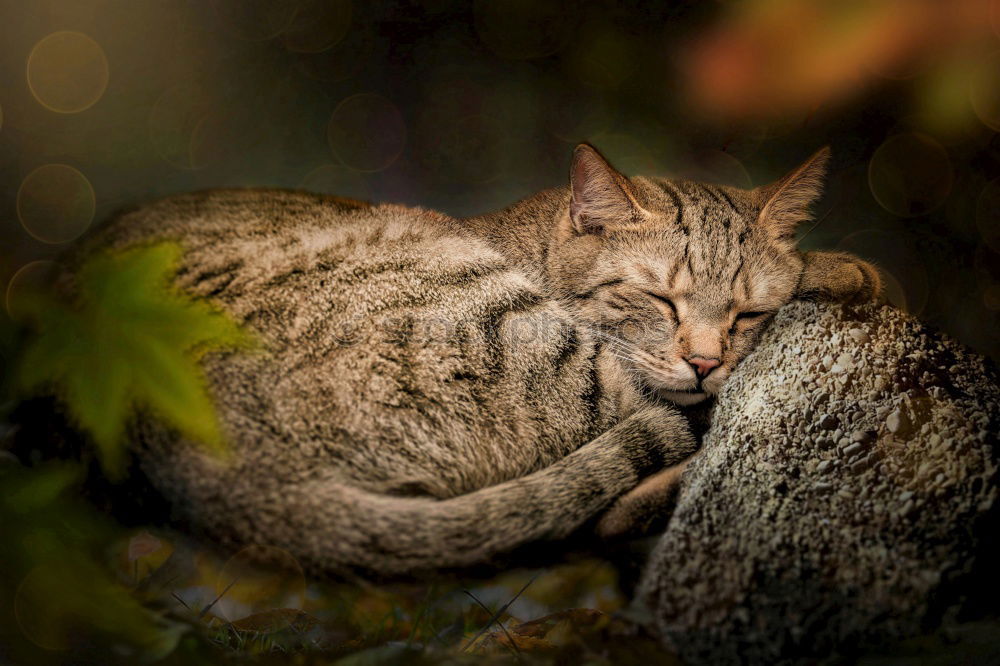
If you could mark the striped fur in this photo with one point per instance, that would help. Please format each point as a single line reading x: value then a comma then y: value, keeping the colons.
x: 435, y: 393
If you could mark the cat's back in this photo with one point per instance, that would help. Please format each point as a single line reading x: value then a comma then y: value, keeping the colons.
x: 224, y: 216
x: 222, y: 211
x: 239, y: 240
x: 398, y: 341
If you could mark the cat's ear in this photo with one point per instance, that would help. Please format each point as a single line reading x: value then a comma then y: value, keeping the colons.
x: 601, y: 199
x: 785, y: 203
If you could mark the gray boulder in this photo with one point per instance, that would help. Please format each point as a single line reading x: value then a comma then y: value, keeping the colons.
x: 845, y: 496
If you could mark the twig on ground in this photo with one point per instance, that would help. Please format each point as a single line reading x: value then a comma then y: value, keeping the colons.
x: 179, y: 600
x: 503, y: 609
x: 517, y: 650
x: 216, y: 600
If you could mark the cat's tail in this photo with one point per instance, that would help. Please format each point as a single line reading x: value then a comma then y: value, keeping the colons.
x: 334, y: 529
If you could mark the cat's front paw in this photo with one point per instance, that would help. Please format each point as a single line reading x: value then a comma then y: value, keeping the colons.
x: 864, y: 284
x: 644, y: 508
x: 839, y: 277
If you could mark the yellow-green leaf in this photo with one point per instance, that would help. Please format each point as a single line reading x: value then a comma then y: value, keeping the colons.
x: 128, y: 340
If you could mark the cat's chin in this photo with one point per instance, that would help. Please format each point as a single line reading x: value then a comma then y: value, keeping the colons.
x: 683, y: 398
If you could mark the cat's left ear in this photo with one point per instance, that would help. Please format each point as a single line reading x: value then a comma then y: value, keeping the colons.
x: 785, y: 203
x: 601, y: 199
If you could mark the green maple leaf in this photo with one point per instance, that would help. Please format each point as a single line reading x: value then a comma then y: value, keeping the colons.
x: 129, y: 340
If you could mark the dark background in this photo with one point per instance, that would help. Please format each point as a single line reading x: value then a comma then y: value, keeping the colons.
x: 469, y: 106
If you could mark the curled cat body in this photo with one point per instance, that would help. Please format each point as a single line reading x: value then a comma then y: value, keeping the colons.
x: 435, y: 393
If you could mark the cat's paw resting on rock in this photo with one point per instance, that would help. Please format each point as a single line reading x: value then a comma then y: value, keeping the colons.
x: 838, y: 277
x: 645, y: 508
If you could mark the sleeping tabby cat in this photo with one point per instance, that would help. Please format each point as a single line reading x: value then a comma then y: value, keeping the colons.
x: 438, y: 392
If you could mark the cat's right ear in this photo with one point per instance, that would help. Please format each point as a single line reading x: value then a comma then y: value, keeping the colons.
x: 600, y: 197
x: 785, y: 204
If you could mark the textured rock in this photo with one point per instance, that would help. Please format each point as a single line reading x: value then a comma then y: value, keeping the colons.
x: 873, y: 524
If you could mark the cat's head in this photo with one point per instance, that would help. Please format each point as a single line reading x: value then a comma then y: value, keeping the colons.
x: 678, y: 278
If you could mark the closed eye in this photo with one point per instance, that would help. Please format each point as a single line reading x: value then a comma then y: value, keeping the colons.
x: 663, y: 299
x: 752, y: 315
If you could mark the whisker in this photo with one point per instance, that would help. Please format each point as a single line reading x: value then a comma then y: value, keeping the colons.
x: 609, y: 337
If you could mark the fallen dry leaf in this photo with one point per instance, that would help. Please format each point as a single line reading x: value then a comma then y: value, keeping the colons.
x: 270, y: 621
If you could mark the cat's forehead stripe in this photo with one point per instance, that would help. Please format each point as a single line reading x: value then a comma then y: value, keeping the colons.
x: 678, y: 205
x: 674, y: 270
x: 717, y: 194
x: 710, y: 205
x: 736, y: 274
x: 647, y: 272
x: 711, y: 195
x: 722, y: 193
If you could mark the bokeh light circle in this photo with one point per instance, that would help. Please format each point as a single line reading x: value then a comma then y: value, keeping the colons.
x: 578, y: 115
x: 178, y: 115
x: 984, y: 91
x: 24, y: 286
x: 991, y: 297
x: 257, y: 579
x: 469, y: 150
x: 968, y: 316
x: 716, y: 166
x: 602, y: 57
x: 342, y: 60
x: 338, y: 180
x: 739, y: 140
x: 905, y: 65
x: 366, y: 132
x: 522, y: 29
x: 55, y: 203
x: 910, y: 174
x: 216, y: 138
x: 67, y: 72
x: 905, y: 280
x: 254, y: 20
x: 318, y: 25
x: 961, y: 134
x: 893, y: 292
x: 627, y: 153
x: 986, y: 265
x: 840, y: 193
x: 988, y: 214
x: 981, y: 327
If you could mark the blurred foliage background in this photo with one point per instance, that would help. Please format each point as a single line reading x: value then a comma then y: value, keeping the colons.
x: 463, y: 107
x: 468, y: 106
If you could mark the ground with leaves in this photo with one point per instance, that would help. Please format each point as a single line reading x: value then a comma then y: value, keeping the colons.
x: 76, y: 586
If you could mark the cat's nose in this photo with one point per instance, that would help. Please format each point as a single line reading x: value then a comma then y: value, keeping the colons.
x: 703, y: 366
